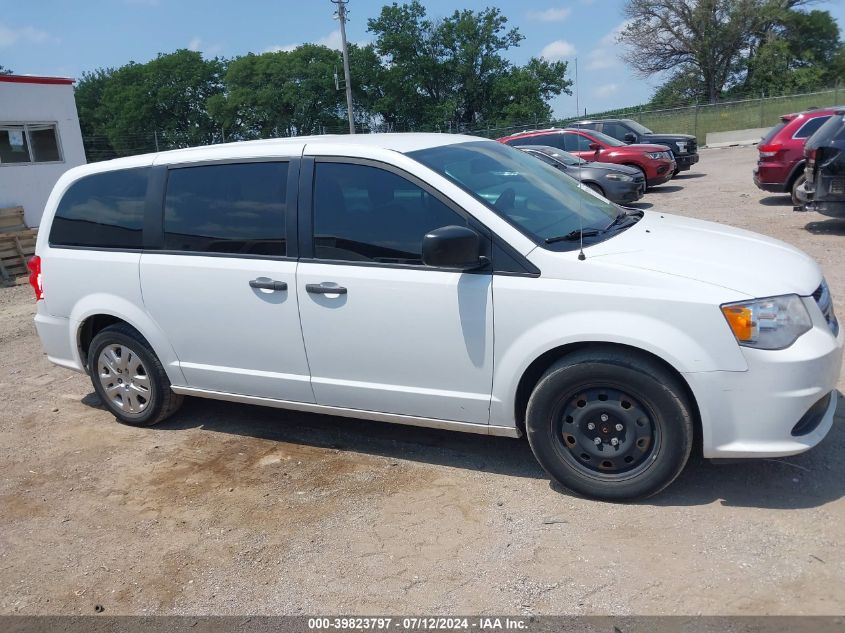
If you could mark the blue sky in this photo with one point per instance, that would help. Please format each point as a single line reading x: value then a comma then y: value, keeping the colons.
x: 61, y: 37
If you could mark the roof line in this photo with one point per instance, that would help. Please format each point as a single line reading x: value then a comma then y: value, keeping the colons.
x: 35, y: 79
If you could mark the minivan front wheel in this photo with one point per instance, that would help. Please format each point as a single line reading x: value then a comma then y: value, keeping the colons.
x: 128, y: 377
x: 610, y: 425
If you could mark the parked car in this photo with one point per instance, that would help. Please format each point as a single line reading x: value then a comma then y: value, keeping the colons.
x: 617, y: 183
x: 780, y: 168
x: 655, y: 162
x: 824, y: 188
x: 684, y: 146
x: 355, y: 276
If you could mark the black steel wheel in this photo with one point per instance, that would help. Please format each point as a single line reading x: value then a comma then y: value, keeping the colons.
x: 606, y: 431
x: 610, y: 424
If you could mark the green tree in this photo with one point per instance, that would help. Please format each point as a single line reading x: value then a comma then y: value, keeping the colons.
x: 139, y: 107
x: 93, y: 116
x: 6, y: 71
x: 707, y: 37
x: 796, y: 52
x: 285, y: 93
x: 453, y: 70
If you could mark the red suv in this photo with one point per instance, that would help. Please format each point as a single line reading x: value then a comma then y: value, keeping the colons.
x: 781, y: 165
x: 654, y: 161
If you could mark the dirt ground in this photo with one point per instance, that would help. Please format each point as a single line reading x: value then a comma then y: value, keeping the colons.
x: 233, y: 509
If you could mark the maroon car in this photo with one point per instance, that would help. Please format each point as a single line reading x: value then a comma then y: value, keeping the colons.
x: 780, y: 168
x: 654, y: 161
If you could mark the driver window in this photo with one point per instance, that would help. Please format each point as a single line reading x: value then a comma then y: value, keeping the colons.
x: 364, y: 213
x: 576, y: 143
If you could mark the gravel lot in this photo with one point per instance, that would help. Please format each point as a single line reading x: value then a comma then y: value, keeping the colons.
x: 235, y: 509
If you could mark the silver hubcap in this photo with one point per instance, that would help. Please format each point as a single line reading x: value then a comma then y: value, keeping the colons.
x: 124, y: 379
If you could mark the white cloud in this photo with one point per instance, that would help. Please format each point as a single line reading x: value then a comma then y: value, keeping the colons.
x: 332, y: 40
x: 278, y: 49
x: 606, y: 90
x: 606, y: 54
x: 555, y: 14
x: 199, y: 45
x: 27, y: 34
x: 557, y: 50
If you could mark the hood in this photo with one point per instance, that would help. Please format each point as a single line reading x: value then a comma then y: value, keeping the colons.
x: 645, y: 147
x: 739, y: 260
x: 609, y: 167
x: 673, y: 138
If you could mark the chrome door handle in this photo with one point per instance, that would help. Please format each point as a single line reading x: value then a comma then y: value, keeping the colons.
x: 321, y: 289
x: 268, y: 285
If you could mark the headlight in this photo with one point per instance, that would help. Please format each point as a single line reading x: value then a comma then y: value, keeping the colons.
x: 620, y: 177
x: 773, y: 323
x: 656, y: 155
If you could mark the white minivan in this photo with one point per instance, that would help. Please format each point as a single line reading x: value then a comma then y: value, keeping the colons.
x: 436, y: 280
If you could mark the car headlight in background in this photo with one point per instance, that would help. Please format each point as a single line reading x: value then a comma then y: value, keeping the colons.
x: 620, y: 177
x: 659, y: 155
x: 773, y: 323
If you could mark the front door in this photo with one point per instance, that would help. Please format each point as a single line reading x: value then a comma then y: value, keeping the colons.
x: 223, y: 285
x: 382, y: 331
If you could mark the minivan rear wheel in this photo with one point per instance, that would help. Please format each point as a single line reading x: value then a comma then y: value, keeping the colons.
x: 128, y: 377
x: 610, y: 425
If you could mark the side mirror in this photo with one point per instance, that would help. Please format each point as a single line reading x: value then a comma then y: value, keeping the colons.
x: 594, y: 146
x: 630, y: 138
x: 455, y: 247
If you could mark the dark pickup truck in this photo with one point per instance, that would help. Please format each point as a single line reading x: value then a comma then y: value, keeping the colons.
x: 824, y: 189
x: 684, y: 146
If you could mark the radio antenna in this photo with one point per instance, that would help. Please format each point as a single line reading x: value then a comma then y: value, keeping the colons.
x: 581, y: 256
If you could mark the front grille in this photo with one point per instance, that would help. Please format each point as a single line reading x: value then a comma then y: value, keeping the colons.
x: 825, y: 303
x: 837, y: 186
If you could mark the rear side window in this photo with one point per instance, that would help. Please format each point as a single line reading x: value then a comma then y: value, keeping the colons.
x: 103, y: 210
x: 235, y: 209
x: 810, y: 127
x: 615, y: 130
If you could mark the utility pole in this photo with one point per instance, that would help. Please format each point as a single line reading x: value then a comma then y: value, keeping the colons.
x: 341, y: 16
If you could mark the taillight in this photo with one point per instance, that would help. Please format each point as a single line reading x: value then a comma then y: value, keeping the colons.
x: 769, y: 151
x: 34, y: 266
x: 810, y: 154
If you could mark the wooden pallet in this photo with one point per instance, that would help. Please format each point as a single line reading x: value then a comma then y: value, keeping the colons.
x: 11, y: 220
x: 15, y: 250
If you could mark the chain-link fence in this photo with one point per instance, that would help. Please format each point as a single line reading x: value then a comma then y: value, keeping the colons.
x: 698, y: 120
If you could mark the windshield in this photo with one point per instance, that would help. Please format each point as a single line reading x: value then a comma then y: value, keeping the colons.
x: 604, y: 138
x: 639, y: 129
x: 564, y: 157
x: 535, y: 197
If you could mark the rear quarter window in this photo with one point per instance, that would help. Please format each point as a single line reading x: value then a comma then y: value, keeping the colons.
x: 104, y: 210
x: 811, y: 127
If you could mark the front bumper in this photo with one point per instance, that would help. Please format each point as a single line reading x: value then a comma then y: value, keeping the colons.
x: 685, y: 161
x: 754, y: 413
x: 622, y: 192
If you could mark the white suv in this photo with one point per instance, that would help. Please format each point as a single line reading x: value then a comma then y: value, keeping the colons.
x: 442, y: 281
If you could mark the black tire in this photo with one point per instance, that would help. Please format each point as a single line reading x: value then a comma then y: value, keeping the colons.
x: 799, y: 181
x: 676, y: 172
x: 568, y: 399
x: 155, y: 404
x: 595, y: 188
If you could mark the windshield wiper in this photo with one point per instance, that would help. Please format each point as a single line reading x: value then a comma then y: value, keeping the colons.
x: 577, y: 234
x: 620, y: 219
